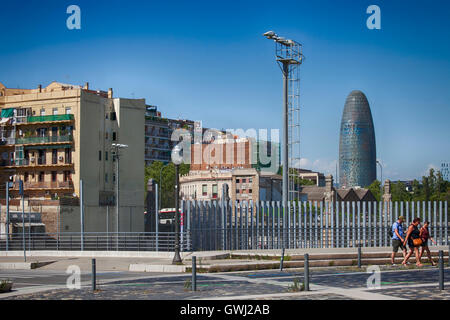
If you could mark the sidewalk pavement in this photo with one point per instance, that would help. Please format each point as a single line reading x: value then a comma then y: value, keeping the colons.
x: 162, y: 261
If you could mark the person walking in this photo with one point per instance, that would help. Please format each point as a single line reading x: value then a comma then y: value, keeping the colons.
x: 425, y: 235
x: 414, y: 241
x: 398, y: 235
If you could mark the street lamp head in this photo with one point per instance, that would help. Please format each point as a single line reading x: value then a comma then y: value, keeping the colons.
x: 176, y: 157
x: 270, y: 34
x: 120, y: 146
x: 290, y: 42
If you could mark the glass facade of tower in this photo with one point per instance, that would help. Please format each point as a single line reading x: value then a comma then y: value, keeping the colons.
x: 357, y: 149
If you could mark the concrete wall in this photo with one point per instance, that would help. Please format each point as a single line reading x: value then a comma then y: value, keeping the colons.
x: 102, y: 219
x: 97, y: 173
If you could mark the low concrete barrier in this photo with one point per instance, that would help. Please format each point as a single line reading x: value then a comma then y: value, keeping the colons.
x: 100, y: 254
x: 23, y: 265
x: 156, y: 268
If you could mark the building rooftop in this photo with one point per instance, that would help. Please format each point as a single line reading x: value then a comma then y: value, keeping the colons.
x: 52, y: 87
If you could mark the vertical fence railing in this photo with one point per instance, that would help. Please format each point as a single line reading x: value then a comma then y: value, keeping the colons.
x: 228, y: 225
x: 306, y: 224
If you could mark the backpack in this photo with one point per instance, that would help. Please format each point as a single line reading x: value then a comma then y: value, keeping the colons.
x: 390, y: 233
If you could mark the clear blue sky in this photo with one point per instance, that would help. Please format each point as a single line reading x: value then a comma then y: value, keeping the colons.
x: 207, y: 60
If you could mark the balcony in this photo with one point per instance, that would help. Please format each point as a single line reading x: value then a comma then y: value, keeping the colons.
x: 47, y: 185
x: 43, y: 140
x: 6, y: 163
x: 43, y: 119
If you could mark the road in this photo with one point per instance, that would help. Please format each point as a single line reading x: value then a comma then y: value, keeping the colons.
x: 328, y: 283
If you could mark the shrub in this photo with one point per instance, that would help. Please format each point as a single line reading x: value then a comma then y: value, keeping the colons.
x: 296, y: 287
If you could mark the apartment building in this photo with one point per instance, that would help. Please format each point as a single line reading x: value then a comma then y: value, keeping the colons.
x: 244, y: 185
x: 158, y: 132
x: 53, y: 137
x: 317, y: 177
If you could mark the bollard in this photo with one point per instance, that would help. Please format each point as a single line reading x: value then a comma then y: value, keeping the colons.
x: 306, y: 268
x: 282, y: 260
x: 441, y: 270
x: 94, y: 280
x: 194, y: 273
x: 359, y: 256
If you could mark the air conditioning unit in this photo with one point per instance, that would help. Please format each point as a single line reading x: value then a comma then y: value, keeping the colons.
x: 60, y: 158
x: 32, y: 159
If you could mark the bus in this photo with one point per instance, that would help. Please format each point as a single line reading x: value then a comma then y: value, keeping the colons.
x: 167, y: 220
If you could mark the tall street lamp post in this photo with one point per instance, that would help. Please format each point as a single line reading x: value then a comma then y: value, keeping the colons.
x: 288, y: 52
x: 177, y: 258
x: 116, y: 154
x: 176, y: 159
x: 381, y: 181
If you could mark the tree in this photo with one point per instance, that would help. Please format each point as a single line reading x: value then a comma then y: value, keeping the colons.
x: 167, y: 183
x: 399, y: 193
x: 375, y: 189
x: 426, y: 189
x: 416, y: 189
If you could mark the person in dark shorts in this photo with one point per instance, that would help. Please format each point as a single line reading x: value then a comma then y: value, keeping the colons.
x: 425, y: 235
x: 398, y: 235
x: 414, y: 241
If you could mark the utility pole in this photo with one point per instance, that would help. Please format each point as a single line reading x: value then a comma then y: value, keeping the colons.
x: 177, y: 258
x: 7, y: 215
x: 381, y: 181
x: 82, y: 214
x: 116, y: 150
x: 21, y: 192
x: 156, y: 217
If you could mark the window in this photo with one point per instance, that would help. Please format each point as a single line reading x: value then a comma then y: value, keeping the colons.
x: 244, y: 180
x: 68, y: 155
x: 68, y: 110
x: 114, y: 136
x: 42, y: 112
x: 41, y: 132
x: 41, y: 176
x: 54, y: 176
x: 99, y: 156
x: 25, y: 177
x: 113, y: 116
x: 237, y: 180
x: 204, y: 190
x: 249, y: 190
x: 55, y: 111
x: 41, y: 158
x: 106, y: 156
x: 214, y: 191
x: 238, y: 191
x: 67, y: 176
x: 54, y: 156
x: 250, y: 180
x: 106, y: 178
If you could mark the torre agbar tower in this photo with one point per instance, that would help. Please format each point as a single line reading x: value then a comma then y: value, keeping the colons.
x: 357, y: 149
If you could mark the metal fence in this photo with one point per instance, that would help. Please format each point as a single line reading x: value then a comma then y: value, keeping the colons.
x: 218, y: 225
x: 215, y: 225
x: 123, y: 241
